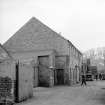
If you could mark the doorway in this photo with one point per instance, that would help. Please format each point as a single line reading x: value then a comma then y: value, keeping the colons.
x: 43, y: 71
x: 60, y: 76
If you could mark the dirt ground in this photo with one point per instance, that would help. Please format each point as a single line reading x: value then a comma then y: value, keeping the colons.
x: 92, y: 94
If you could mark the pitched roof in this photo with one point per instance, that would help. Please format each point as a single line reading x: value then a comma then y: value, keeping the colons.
x: 27, y: 36
x: 4, y: 55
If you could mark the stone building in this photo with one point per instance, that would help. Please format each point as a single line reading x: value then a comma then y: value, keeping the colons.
x: 55, y: 60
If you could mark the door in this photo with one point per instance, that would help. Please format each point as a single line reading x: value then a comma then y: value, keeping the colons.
x: 43, y: 71
x: 60, y: 76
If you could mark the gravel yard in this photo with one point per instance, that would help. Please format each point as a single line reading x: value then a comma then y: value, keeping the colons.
x: 92, y: 94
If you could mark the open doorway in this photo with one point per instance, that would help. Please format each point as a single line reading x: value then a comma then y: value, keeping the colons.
x: 60, y: 76
x: 43, y: 71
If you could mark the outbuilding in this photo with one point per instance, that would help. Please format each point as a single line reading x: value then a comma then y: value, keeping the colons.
x: 54, y: 59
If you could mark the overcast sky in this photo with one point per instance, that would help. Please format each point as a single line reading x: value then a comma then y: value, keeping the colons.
x: 80, y: 21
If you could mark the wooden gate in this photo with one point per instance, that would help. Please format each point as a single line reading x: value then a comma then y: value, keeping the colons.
x: 24, y: 82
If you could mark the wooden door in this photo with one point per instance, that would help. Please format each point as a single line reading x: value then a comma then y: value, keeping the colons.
x: 60, y: 76
x: 43, y: 71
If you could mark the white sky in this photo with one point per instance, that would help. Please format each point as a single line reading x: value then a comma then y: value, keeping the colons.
x: 80, y: 21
